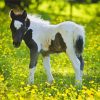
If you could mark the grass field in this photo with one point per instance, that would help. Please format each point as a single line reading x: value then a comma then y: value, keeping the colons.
x: 14, y: 62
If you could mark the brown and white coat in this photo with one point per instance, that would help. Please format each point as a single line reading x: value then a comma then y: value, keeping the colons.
x: 42, y: 37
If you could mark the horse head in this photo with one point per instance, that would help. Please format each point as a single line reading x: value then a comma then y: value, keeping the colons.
x: 19, y: 25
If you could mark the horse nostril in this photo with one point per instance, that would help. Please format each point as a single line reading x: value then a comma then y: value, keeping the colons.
x: 13, y: 43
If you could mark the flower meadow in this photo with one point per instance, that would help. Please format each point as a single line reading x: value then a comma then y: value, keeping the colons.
x: 14, y: 62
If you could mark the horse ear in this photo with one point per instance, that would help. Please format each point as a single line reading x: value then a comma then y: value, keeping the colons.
x: 12, y: 15
x: 24, y: 14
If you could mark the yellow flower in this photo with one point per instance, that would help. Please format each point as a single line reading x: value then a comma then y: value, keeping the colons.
x: 84, y: 88
x: 80, y: 98
x: 1, y: 78
x: 90, y: 97
x: 21, y: 98
x: 91, y: 82
x: 22, y: 83
x: 98, y: 94
x: 33, y: 91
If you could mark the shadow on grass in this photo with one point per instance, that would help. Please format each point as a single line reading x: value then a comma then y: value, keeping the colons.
x: 68, y: 79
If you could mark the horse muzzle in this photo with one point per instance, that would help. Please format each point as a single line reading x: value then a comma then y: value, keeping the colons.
x: 16, y: 44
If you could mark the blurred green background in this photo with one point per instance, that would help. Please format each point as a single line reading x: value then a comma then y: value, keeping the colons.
x: 14, y: 62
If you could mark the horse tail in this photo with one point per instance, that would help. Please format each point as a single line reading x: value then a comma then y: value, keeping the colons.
x: 79, y: 39
x: 79, y: 45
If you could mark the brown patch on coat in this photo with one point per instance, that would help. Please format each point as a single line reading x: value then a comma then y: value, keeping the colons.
x: 57, y: 45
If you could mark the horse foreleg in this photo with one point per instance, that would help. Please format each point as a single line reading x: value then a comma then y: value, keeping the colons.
x: 46, y: 62
x: 32, y: 66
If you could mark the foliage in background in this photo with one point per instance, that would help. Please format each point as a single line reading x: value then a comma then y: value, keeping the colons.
x: 14, y: 62
x: 26, y: 3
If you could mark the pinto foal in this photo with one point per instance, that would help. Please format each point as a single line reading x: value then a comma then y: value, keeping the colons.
x: 42, y: 37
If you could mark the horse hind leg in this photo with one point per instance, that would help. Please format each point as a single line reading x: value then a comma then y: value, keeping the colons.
x: 81, y: 63
x: 76, y: 64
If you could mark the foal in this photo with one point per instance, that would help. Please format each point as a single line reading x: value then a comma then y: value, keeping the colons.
x: 42, y: 37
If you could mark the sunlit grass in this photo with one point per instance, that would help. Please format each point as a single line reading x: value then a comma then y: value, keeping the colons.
x: 14, y: 63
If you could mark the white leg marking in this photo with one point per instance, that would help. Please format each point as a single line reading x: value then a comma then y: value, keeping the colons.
x: 46, y: 62
x: 76, y: 65
x: 31, y: 75
x: 81, y: 73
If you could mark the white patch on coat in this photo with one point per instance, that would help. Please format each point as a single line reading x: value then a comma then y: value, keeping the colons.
x: 17, y: 24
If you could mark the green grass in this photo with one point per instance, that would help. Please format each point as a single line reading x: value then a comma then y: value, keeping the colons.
x: 14, y: 62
